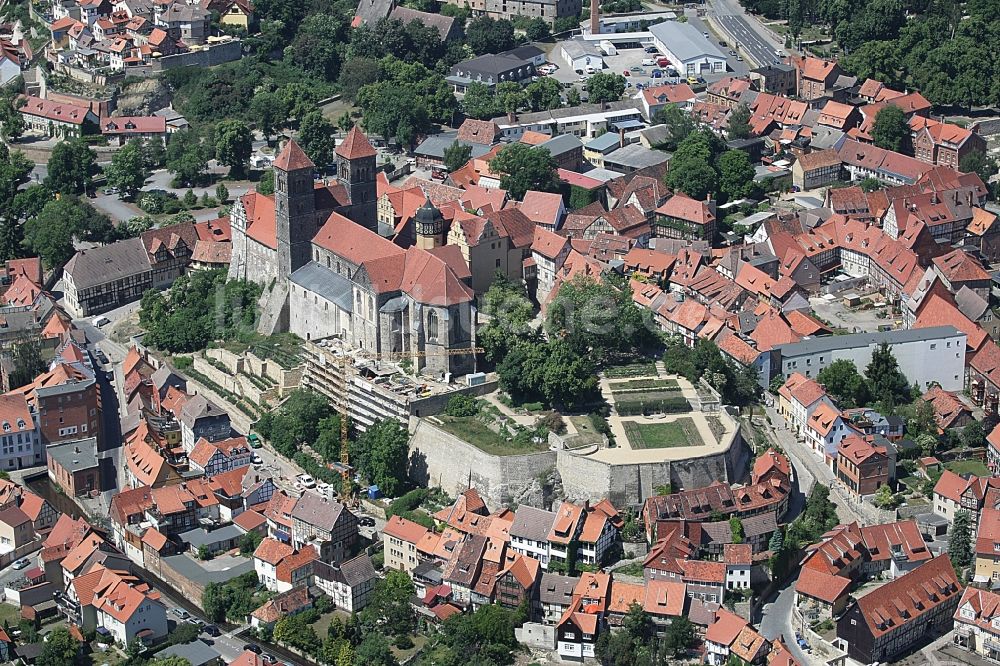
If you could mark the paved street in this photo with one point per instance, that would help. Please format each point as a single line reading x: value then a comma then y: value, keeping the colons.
x: 735, y: 67
x: 776, y: 621
x: 755, y: 42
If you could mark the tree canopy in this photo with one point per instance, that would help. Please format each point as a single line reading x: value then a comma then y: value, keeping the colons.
x: 605, y: 87
x: 381, y: 454
x: 71, y: 168
x: 891, y: 130
x: 524, y: 167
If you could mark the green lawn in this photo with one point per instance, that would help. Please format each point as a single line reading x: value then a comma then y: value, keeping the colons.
x: 968, y: 467
x: 9, y: 614
x: 587, y: 434
x: 475, y: 432
x: 681, y: 432
x: 631, y: 569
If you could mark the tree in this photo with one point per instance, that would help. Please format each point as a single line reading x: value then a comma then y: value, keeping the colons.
x: 691, y: 170
x: 316, y: 138
x: 249, y: 543
x: 679, y: 124
x: 27, y: 361
x: 345, y: 123
x: 736, y: 528
x: 887, y: 383
x: 736, y: 174
x: 11, y: 121
x: 190, y: 199
x: 891, y: 130
x: 72, y: 166
x: 221, y: 193
x: 128, y: 170
x: 480, y: 102
x: 842, y: 380
x: 393, y: 111
x: 973, y: 435
x: 885, y: 498
x: 544, y: 94
x: 605, y: 87
x: 537, y: 30
x: 233, y: 146
x: 269, y: 112
x: 776, y: 542
x: 524, y: 168
x: 457, y: 155
x: 314, y: 48
x: 510, y: 96
x: 960, y: 540
x: 980, y: 163
x: 381, y: 456
x: 738, y: 124
x: 59, y: 649
x: 509, y: 313
x: 374, y: 651
x: 355, y: 74
x: 51, y: 232
x: 573, y: 96
x: 679, y: 636
x: 266, y: 183
x: 486, y: 35
x: 188, y: 156
x: 389, y: 611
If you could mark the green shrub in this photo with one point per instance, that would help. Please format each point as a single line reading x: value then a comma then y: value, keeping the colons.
x: 652, y: 406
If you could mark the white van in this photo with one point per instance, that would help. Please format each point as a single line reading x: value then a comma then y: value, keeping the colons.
x: 590, y: 69
x: 648, y: 62
x: 101, y: 320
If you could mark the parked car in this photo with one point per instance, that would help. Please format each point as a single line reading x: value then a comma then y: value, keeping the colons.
x: 252, y: 647
x: 656, y: 74
x: 366, y: 521
x: 181, y: 613
x: 733, y: 53
x: 625, y: 72
x: 22, y: 563
x: 211, y: 630
x: 650, y: 49
x: 101, y: 320
x: 306, y: 481
x: 648, y: 62
x: 256, y: 459
x: 663, y: 62
x: 722, y: 42
x: 706, y: 35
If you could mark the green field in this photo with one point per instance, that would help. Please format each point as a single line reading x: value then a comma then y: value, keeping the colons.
x: 470, y: 429
x: 681, y: 432
x: 968, y: 467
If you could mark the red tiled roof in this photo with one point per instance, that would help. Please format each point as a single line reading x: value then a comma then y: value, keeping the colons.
x: 292, y: 158
x: 903, y: 600
x: 821, y: 585
x: 405, y: 530
x: 355, y: 145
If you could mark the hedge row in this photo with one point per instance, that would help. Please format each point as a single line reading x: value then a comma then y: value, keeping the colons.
x: 656, y: 406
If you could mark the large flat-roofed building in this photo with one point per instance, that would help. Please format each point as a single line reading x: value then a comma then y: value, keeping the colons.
x: 925, y: 355
x: 689, y: 51
x: 74, y: 466
x: 549, y: 10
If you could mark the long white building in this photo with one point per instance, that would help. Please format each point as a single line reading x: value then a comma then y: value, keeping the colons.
x: 925, y: 355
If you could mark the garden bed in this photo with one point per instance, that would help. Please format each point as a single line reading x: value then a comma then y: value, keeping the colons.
x: 658, y: 402
x: 645, y: 385
x: 643, y: 369
x: 679, y: 433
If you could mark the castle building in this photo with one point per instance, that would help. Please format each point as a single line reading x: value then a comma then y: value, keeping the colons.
x: 327, y: 272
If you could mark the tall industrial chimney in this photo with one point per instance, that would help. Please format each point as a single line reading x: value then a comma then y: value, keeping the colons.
x: 595, y: 17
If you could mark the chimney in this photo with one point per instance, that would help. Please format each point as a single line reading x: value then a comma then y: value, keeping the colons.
x: 595, y: 17
x: 511, y: 116
x: 621, y: 137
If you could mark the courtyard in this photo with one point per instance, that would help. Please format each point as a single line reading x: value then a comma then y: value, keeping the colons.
x: 679, y: 432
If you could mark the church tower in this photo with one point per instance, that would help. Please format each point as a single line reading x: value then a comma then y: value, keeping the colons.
x: 429, y: 225
x: 356, y: 172
x: 294, y: 208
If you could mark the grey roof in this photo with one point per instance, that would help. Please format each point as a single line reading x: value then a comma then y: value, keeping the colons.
x: 491, y: 63
x: 769, y: 69
x: 684, y: 41
x: 326, y: 283
x: 656, y: 134
x: 577, y: 48
x: 76, y: 455
x: 428, y: 570
x: 316, y: 510
x: 636, y: 156
x: 603, y: 175
x: 108, y: 263
x: 64, y: 388
x: 196, y: 652
x: 189, y: 568
x: 762, y: 523
x: 202, y: 537
x: 971, y: 304
x: 184, y: 13
x: 525, y: 52
x: 563, y: 143
x: 757, y: 218
x: 436, y: 144
x: 718, y: 532
x: 443, y: 24
x: 626, y: 105
x: 603, y: 143
x: 532, y: 523
x: 370, y: 11
x: 199, y: 407
x: 358, y: 570
x: 856, y: 340
x: 557, y: 589
x: 165, y: 376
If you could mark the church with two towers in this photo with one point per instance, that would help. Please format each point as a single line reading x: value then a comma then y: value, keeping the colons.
x: 327, y: 272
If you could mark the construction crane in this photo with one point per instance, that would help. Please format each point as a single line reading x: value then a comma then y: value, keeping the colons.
x: 346, y: 366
